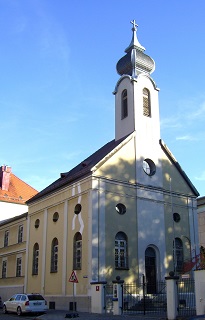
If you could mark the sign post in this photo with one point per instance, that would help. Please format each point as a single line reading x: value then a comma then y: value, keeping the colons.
x: 73, y: 278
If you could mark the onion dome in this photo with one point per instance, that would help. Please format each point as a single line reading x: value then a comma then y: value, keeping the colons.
x: 135, y: 61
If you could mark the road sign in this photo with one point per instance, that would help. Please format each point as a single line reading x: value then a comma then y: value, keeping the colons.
x: 73, y: 278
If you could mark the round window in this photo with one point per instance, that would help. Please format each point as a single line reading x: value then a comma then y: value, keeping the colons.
x: 120, y: 208
x: 55, y: 216
x: 176, y: 217
x: 149, y: 167
x: 37, y: 223
x: 78, y: 208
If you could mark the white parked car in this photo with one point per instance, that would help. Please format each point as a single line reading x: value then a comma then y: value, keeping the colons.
x: 25, y: 303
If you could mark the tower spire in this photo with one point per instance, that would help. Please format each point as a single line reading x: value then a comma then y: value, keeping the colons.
x: 134, y: 42
x: 135, y: 61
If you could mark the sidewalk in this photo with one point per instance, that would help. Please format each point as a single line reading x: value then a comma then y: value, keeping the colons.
x: 61, y: 314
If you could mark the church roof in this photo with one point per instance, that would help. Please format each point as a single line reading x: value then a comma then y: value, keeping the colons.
x: 13, y: 189
x: 83, y: 169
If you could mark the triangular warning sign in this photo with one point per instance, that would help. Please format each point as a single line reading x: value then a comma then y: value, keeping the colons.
x: 73, y: 277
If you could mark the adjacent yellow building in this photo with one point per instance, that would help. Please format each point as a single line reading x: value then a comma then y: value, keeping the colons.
x: 13, y: 231
x: 13, y: 236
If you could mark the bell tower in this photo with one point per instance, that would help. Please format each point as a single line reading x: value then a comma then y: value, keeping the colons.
x: 137, y: 107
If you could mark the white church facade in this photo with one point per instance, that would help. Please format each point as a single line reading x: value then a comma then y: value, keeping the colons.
x: 128, y: 209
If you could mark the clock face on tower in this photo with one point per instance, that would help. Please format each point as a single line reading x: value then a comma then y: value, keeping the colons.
x: 149, y: 167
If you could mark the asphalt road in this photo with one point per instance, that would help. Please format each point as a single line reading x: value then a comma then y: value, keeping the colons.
x: 58, y: 315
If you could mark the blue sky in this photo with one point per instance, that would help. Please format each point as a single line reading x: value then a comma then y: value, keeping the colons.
x: 58, y: 71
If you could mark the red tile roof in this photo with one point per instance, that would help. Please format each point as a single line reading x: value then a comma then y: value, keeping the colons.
x: 18, y: 191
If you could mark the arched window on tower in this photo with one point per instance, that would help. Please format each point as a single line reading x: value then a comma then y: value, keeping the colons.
x: 146, y: 103
x: 178, y: 255
x: 121, y: 251
x: 124, y: 105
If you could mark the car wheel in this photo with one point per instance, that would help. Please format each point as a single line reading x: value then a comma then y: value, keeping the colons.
x: 4, y: 309
x: 19, y: 312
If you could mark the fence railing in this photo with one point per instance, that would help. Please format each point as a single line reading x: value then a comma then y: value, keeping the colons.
x: 108, y: 292
x: 136, y: 299
x: 186, y: 297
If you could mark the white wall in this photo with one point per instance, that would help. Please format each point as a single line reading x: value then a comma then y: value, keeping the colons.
x: 10, y: 210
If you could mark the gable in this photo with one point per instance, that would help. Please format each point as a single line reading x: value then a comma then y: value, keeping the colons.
x: 120, y: 165
x: 171, y: 168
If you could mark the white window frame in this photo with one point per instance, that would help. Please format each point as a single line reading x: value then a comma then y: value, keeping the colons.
x: 35, y: 259
x: 6, y: 238
x: 54, y: 255
x: 121, y: 251
x: 18, y: 266
x: 77, y: 251
x: 20, y: 234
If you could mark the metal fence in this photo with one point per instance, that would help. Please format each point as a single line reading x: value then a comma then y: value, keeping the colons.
x: 186, y: 297
x: 108, y: 292
x: 137, y: 300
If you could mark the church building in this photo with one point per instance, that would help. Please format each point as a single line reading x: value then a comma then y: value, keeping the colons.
x: 128, y: 209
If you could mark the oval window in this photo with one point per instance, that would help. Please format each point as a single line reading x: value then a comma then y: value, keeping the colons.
x: 78, y: 208
x: 55, y: 216
x: 37, y: 223
x: 176, y: 217
x: 149, y: 167
x: 120, y: 208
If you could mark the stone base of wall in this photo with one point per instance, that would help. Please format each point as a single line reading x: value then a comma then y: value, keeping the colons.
x: 82, y: 303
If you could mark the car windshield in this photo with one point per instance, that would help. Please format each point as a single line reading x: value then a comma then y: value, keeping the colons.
x: 35, y: 297
x: 12, y: 298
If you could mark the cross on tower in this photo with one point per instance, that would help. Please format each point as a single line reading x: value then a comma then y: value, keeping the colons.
x: 134, y: 24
